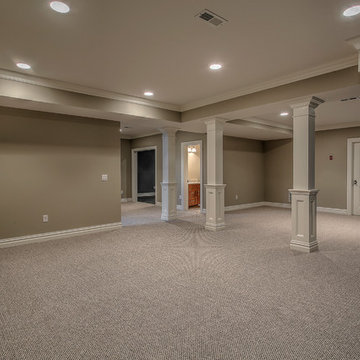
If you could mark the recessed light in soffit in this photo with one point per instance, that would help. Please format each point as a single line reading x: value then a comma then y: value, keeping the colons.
x: 60, y: 7
x: 352, y: 11
x: 23, y: 66
x: 215, y: 66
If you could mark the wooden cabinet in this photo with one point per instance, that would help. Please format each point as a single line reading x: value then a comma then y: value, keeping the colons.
x: 194, y: 194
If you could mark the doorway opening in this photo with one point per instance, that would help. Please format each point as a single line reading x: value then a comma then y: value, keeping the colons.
x: 353, y: 176
x: 191, y: 175
x: 144, y: 177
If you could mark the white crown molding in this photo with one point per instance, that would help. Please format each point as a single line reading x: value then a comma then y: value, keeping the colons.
x: 62, y: 85
x: 28, y: 239
x: 283, y: 80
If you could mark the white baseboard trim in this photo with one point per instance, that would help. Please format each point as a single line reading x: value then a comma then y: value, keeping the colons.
x: 28, y: 239
x: 146, y: 194
x: 333, y: 210
x: 319, y: 208
x: 244, y: 206
x: 279, y: 205
x: 158, y: 203
x: 284, y: 206
x: 125, y: 200
x: 179, y: 207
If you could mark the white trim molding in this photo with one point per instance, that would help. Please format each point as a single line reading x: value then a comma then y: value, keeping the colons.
x: 28, y: 239
x: 283, y: 206
x: 332, y: 210
x: 125, y: 200
x: 350, y: 169
x: 244, y: 206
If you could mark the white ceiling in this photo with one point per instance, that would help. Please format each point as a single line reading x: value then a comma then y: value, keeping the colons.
x: 129, y: 46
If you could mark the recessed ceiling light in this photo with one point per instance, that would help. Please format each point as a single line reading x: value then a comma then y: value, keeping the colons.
x: 23, y: 66
x: 60, y: 7
x: 215, y: 66
x: 284, y: 113
x: 148, y: 93
x: 352, y: 11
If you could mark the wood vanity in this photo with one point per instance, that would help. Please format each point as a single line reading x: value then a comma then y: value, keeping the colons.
x: 194, y: 194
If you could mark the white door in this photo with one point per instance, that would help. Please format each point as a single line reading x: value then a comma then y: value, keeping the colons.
x: 356, y: 180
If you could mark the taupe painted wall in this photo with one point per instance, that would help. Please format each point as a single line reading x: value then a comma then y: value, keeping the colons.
x: 126, y: 168
x: 278, y: 170
x: 52, y: 164
x: 330, y: 175
x: 154, y: 140
x: 243, y: 171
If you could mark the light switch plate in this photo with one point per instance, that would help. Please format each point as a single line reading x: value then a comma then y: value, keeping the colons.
x: 104, y: 177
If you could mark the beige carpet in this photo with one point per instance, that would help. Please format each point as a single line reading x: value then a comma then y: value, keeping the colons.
x: 176, y: 291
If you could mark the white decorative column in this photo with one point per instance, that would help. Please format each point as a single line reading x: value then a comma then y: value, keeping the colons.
x: 168, y: 185
x: 215, y: 214
x: 303, y: 194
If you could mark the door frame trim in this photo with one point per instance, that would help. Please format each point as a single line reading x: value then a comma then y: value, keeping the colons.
x: 184, y: 185
x: 134, y: 168
x: 350, y: 160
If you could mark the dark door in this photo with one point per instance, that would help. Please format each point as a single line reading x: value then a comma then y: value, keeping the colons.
x: 146, y: 176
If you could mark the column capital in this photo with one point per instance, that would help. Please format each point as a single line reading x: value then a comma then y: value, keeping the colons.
x: 170, y: 131
x: 215, y: 124
x: 355, y: 42
x: 311, y: 102
x: 303, y: 192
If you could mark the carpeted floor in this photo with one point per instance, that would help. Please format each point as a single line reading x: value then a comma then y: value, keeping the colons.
x: 175, y: 291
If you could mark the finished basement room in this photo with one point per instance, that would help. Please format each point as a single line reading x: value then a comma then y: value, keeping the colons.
x: 180, y: 181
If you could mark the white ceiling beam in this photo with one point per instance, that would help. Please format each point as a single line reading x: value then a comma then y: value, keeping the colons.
x: 25, y: 95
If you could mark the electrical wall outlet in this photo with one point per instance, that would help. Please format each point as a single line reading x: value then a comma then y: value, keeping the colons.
x: 45, y: 218
x: 236, y: 197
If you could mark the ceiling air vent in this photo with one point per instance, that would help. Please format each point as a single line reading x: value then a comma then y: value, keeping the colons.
x: 211, y: 18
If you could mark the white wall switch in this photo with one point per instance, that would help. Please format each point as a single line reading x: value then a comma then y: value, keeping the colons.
x: 236, y: 197
x: 104, y: 177
x: 45, y: 218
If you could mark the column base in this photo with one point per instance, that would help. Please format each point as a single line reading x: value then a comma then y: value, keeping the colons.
x: 303, y: 219
x: 168, y: 205
x: 216, y: 227
x: 304, y: 247
x: 215, y: 209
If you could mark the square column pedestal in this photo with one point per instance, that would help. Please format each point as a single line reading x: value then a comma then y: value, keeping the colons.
x: 168, y: 208
x: 303, y: 218
x: 215, y: 207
